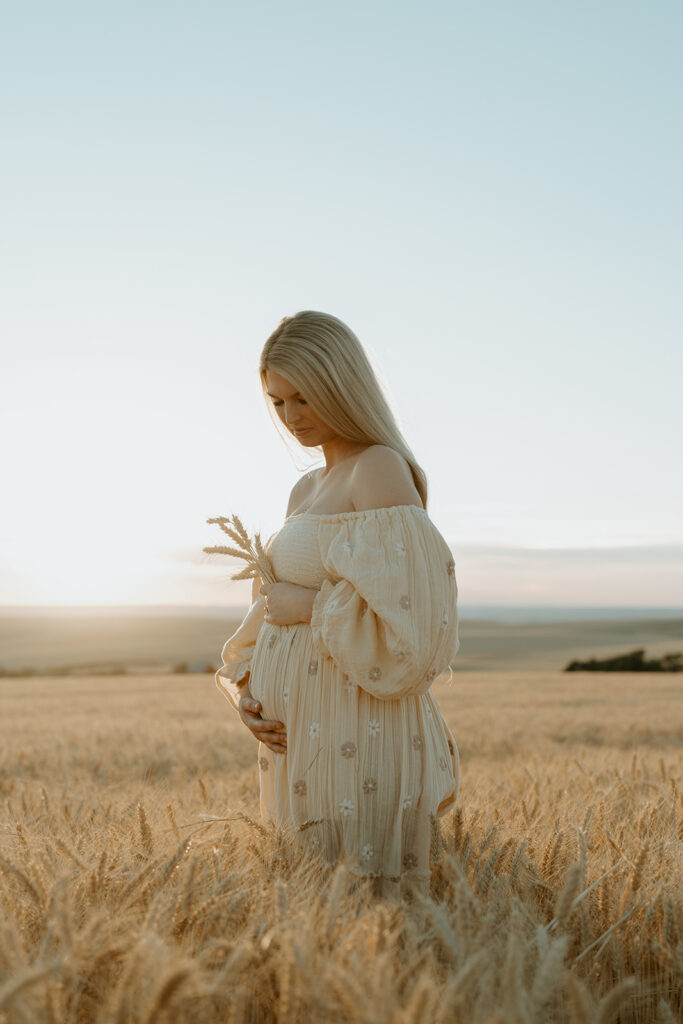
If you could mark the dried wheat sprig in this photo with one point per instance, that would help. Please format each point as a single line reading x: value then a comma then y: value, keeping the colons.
x: 31, y: 976
x: 253, y: 552
x: 566, y: 901
x: 222, y: 549
x: 243, y: 574
x: 222, y: 521
x: 309, y: 822
x: 9, y: 867
x: 146, y: 838
x: 611, y: 1003
x: 436, y: 839
x: 580, y: 1001
x: 70, y: 853
x: 175, y: 979
x: 606, y: 935
x: 259, y: 546
x: 575, y: 902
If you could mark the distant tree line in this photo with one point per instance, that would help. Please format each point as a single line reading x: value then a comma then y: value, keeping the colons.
x: 633, y: 661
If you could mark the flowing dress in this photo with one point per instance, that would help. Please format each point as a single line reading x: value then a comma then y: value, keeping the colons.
x: 369, y: 757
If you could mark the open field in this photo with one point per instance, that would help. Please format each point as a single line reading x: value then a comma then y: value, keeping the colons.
x: 122, y: 901
x: 155, y: 643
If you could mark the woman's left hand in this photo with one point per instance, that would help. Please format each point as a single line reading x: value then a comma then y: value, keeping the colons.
x: 288, y: 603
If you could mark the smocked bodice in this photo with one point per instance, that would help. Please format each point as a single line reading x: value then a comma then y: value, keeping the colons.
x: 295, y: 552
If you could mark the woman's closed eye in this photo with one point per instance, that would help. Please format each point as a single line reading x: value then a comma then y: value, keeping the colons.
x: 302, y: 401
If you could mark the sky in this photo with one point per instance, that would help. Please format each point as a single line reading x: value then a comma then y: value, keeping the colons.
x: 487, y: 194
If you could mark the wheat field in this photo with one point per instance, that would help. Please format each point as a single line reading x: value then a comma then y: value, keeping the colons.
x: 137, y: 883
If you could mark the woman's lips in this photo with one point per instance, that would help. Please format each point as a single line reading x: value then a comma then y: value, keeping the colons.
x: 302, y: 431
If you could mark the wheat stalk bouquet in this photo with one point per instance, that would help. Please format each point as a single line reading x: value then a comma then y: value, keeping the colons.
x: 258, y: 562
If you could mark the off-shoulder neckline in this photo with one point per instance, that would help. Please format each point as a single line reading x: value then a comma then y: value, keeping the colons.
x: 356, y: 512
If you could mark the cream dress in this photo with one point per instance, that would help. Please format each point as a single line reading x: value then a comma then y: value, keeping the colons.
x: 369, y: 756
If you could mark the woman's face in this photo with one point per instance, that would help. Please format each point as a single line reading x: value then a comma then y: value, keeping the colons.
x: 295, y: 412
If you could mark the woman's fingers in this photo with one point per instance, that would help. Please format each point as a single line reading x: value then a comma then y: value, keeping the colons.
x: 269, y: 731
x: 271, y: 737
x: 267, y: 736
x: 250, y: 704
x: 278, y: 727
x: 275, y: 741
x: 256, y: 722
x: 277, y: 748
x: 266, y: 731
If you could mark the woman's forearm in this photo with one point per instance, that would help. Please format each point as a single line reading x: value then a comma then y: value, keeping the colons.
x: 307, y: 603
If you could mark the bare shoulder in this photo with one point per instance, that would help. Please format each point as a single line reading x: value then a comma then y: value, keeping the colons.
x: 382, y: 478
x: 301, y: 489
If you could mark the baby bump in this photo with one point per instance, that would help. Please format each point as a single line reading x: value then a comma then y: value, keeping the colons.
x: 276, y: 668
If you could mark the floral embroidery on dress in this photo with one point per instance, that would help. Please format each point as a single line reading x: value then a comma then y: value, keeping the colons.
x: 402, y: 823
x: 450, y: 567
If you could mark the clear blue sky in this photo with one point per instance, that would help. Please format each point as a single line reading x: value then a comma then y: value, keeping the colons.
x: 488, y: 194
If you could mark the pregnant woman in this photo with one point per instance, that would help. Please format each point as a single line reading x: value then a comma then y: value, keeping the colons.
x: 333, y: 665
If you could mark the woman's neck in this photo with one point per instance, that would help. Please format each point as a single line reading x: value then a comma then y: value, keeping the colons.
x: 339, y: 450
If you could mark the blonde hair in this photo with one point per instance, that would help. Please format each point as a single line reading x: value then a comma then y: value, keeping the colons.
x: 327, y: 364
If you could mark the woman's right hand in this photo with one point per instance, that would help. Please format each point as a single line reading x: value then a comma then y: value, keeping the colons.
x: 269, y: 732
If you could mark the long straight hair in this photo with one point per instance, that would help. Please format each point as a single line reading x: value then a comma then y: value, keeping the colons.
x: 327, y: 364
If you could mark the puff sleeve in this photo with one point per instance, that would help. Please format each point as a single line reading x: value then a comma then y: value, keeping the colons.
x: 238, y: 649
x: 387, y: 611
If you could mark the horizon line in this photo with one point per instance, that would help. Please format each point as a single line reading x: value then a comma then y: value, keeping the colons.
x: 461, y: 604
